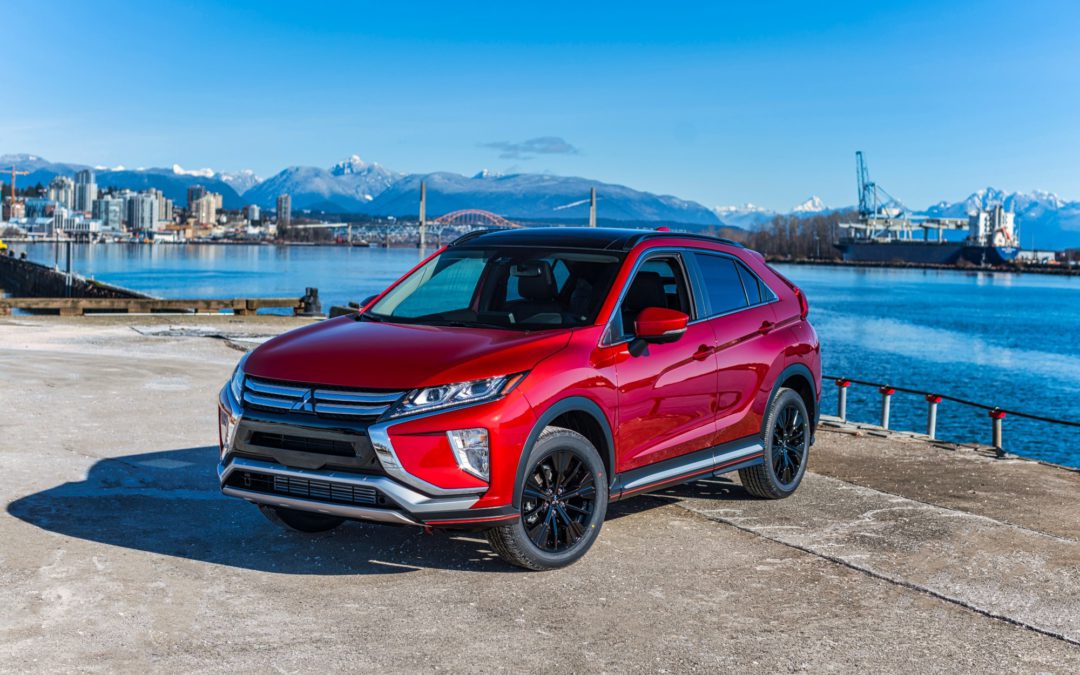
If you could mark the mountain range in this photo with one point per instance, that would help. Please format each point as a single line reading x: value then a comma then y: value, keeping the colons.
x: 354, y: 186
x: 1044, y: 220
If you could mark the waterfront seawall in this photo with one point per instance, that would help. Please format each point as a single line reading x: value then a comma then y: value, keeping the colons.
x: 22, y: 278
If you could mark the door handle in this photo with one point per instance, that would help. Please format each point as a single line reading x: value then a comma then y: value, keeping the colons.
x: 766, y: 326
x: 703, y: 352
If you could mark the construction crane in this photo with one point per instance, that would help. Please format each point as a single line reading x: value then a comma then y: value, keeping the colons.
x: 14, y: 172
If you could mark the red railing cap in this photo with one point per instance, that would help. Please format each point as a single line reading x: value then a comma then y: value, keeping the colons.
x: 933, y: 398
x: 887, y: 390
x: 997, y: 414
x: 843, y: 382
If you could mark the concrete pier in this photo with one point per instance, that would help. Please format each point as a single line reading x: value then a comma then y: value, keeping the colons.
x: 117, y: 552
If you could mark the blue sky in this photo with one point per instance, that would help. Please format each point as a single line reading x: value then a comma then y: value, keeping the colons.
x: 735, y: 102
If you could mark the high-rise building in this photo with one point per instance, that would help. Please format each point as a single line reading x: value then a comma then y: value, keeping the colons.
x: 165, y: 205
x: 142, y: 212
x: 62, y: 191
x: 194, y: 194
x: 205, y: 210
x: 252, y: 213
x: 86, y: 190
x: 110, y: 211
x: 284, y: 211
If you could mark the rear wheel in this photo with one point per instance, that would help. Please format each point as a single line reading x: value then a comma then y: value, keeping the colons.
x: 300, y: 521
x: 563, y: 503
x: 787, y: 446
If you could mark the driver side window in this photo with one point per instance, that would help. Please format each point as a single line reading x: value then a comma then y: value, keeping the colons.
x: 659, y: 282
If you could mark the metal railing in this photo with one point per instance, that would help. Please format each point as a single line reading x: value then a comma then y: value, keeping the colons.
x: 995, y: 413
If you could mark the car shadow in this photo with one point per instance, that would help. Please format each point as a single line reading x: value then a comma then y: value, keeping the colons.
x: 169, y: 503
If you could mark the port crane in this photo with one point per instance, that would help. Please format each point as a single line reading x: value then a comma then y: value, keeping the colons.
x: 883, y: 217
x: 14, y: 172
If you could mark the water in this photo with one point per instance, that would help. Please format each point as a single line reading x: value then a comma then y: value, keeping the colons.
x: 1007, y: 340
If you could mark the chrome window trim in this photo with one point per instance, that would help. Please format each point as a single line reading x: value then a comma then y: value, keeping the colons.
x: 659, y: 251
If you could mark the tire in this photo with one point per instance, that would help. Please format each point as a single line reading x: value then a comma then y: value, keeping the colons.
x: 556, y: 528
x: 300, y: 521
x: 787, y: 449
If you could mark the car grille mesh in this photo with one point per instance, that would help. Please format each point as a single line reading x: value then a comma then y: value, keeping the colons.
x: 320, y: 401
x: 317, y: 490
x: 324, y: 446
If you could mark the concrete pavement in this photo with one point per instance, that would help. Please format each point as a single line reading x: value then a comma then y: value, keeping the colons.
x: 118, y: 554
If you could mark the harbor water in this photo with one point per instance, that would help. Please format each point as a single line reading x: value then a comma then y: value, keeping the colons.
x: 1002, y: 339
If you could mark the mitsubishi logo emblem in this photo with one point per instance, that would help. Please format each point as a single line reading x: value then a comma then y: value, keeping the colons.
x: 305, y: 404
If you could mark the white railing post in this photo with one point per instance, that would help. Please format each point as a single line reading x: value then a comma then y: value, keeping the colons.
x: 841, y: 403
x: 931, y: 415
x: 997, y: 415
x: 886, y: 401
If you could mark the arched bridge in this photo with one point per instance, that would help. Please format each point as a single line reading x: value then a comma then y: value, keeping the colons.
x: 473, y: 218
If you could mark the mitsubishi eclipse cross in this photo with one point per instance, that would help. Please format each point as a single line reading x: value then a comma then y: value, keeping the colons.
x: 518, y: 381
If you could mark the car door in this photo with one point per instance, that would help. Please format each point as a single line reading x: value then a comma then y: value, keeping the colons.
x: 666, y: 395
x: 738, y: 307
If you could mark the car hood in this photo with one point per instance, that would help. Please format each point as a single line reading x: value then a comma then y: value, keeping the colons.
x: 345, y: 352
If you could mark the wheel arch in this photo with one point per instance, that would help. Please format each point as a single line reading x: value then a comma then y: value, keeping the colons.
x: 579, y: 414
x: 798, y: 378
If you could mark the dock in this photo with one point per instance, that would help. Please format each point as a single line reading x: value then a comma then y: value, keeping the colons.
x: 119, y: 553
x: 83, y: 306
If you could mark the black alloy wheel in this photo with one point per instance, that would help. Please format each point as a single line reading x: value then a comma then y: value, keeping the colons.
x: 789, y: 440
x: 563, y: 498
x: 786, y: 438
x: 557, y: 501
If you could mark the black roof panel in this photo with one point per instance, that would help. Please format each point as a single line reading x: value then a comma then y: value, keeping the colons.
x: 603, y: 238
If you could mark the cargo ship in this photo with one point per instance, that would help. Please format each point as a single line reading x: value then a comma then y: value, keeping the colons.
x: 885, y: 232
x: 991, y: 240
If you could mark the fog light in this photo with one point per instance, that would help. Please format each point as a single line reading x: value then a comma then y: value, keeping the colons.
x: 470, y: 448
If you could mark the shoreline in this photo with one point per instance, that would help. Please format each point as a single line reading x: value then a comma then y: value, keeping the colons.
x: 1052, y: 270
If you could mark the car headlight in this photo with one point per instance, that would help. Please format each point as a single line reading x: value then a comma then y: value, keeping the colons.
x: 236, y: 383
x: 451, y: 395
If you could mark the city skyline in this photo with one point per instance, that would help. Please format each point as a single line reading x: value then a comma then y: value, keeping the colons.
x: 721, y: 105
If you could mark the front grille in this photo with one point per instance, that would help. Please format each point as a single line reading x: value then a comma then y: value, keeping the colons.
x: 317, y: 490
x: 320, y: 401
x: 324, y: 446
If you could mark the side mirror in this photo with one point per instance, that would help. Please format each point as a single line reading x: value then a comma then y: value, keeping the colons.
x: 659, y: 325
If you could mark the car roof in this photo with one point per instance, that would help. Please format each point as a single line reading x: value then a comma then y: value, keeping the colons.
x: 601, y: 238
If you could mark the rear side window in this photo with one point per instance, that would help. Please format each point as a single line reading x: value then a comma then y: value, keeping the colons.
x: 723, y: 287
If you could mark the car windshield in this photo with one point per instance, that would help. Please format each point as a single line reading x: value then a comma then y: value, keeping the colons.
x: 508, y: 288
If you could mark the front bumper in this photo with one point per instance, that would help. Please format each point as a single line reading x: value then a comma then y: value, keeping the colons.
x: 383, y: 492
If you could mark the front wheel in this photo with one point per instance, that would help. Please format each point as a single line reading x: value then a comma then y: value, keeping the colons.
x: 563, y: 503
x: 787, y: 445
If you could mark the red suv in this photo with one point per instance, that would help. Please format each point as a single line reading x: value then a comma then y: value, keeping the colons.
x: 517, y: 381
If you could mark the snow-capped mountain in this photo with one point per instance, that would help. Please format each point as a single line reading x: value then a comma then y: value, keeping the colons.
x: 1044, y: 219
x: 748, y: 216
x: 241, y: 181
x: 811, y: 205
x: 348, y: 186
